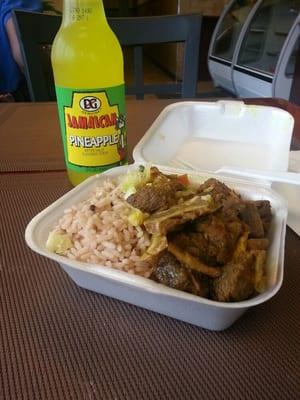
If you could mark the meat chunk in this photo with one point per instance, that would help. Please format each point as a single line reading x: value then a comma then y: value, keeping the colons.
x: 150, y: 198
x: 219, y: 191
x: 249, y: 214
x: 260, y: 281
x: 256, y: 215
x: 162, y: 222
x: 158, y: 243
x: 169, y: 271
x: 237, y: 280
x: 220, y: 239
x: 258, y: 244
x: 231, y: 209
x: 243, y: 275
x: 156, y: 195
x: 264, y: 210
x: 210, y: 239
x: 192, y: 262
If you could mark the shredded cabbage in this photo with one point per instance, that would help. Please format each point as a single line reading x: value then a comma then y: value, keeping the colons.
x: 58, y: 243
x: 133, y: 180
x: 137, y: 217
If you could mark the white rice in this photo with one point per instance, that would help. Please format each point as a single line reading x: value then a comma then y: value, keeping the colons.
x: 105, y: 236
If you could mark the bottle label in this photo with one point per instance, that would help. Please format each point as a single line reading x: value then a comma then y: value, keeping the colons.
x: 93, y: 128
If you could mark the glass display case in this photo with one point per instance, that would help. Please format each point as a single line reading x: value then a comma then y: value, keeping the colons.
x: 254, y: 47
x: 229, y: 29
x: 224, y: 40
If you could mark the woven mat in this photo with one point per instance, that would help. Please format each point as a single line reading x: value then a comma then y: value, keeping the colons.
x: 59, y: 341
x: 30, y: 138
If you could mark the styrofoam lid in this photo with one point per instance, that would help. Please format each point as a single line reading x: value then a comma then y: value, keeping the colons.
x: 209, y: 135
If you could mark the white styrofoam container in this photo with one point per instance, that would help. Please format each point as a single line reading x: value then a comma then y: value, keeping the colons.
x: 208, y: 135
x: 146, y: 293
x: 227, y: 135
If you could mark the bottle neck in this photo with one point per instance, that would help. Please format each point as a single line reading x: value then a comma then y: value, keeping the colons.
x: 75, y: 11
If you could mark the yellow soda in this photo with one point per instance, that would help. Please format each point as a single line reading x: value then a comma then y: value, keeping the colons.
x: 87, y: 63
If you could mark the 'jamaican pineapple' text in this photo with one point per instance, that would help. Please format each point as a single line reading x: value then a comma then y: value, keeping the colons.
x: 94, y: 141
x: 91, y: 121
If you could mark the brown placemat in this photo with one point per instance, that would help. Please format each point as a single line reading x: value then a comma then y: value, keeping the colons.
x: 59, y: 341
x: 30, y: 138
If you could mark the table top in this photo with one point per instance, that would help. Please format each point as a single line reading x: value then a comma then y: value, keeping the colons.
x: 59, y: 341
x: 33, y: 129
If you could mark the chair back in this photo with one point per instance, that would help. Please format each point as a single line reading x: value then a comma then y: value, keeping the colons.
x: 36, y: 32
x: 139, y: 31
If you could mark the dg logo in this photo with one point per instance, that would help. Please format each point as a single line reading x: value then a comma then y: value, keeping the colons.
x: 90, y: 103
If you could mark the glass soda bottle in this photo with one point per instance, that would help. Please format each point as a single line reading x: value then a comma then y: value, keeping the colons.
x: 87, y: 63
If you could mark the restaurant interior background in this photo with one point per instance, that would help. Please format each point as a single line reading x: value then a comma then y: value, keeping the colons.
x: 165, y: 61
x: 247, y: 48
x: 251, y: 51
